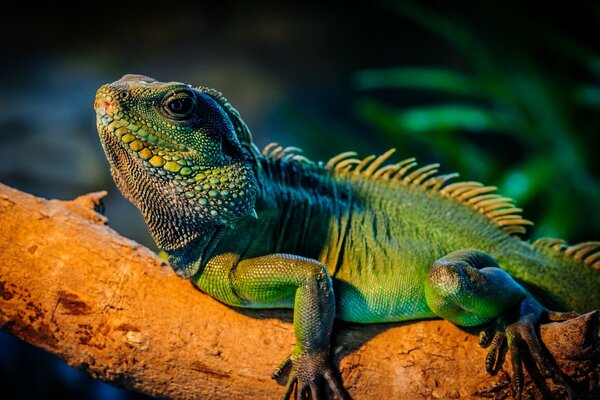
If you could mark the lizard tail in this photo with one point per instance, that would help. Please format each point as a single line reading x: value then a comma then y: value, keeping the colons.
x: 578, y: 286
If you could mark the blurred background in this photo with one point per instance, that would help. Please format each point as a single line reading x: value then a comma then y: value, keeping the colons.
x: 505, y: 93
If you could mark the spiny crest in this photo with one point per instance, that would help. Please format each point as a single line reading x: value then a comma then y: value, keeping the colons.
x: 286, y: 165
x: 274, y: 151
x: 587, y: 253
x: 500, y: 210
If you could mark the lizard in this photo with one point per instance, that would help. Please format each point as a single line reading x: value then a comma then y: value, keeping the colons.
x: 360, y: 240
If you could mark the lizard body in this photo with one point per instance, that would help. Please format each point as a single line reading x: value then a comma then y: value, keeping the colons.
x: 352, y: 239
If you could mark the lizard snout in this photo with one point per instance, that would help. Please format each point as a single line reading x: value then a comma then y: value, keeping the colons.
x: 105, y: 101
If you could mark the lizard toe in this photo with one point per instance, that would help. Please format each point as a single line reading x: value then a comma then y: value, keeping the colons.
x: 521, y: 339
x: 306, y: 374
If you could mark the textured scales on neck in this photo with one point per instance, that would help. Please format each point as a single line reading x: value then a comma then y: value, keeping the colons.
x: 175, y: 154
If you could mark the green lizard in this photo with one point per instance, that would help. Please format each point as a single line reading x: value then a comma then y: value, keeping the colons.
x: 350, y: 239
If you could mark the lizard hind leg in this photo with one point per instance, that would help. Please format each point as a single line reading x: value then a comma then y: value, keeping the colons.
x: 468, y: 288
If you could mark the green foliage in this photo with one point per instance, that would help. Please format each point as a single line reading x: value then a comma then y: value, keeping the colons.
x: 520, y: 110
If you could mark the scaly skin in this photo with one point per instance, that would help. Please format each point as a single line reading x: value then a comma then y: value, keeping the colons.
x: 352, y: 240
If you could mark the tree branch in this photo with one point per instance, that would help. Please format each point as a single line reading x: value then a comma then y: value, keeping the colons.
x: 105, y: 304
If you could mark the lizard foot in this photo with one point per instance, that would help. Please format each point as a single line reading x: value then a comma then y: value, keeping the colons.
x: 520, y: 337
x: 304, y: 374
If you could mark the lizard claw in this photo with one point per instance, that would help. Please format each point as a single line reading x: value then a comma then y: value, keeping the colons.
x: 303, y: 374
x: 282, y: 372
x: 503, y: 337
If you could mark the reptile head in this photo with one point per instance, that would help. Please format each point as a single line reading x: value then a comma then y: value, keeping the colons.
x: 176, y: 152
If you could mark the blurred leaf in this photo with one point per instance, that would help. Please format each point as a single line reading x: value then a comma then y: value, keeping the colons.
x: 443, y: 117
x: 521, y: 183
x: 460, y: 154
x: 420, y: 78
x: 447, y: 117
x: 533, y: 96
x: 552, y: 127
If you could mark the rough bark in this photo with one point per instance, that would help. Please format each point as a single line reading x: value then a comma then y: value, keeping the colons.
x: 106, y: 305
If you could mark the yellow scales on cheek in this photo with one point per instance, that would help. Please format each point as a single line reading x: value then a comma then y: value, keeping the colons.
x: 222, y: 189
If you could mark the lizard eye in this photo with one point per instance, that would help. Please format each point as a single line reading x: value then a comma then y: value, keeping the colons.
x: 180, y: 105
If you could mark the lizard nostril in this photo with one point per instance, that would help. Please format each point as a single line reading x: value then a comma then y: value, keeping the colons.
x: 103, y: 103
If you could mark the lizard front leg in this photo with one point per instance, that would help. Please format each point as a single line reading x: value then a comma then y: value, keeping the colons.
x: 280, y: 280
x: 468, y: 288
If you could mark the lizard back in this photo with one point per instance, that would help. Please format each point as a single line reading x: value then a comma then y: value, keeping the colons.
x: 379, y: 228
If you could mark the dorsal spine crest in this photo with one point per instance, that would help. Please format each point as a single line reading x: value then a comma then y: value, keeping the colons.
x: 587, y: 253
x: 500, y: 210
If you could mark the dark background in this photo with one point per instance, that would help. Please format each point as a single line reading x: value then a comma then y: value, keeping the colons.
x: 506, y: 93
